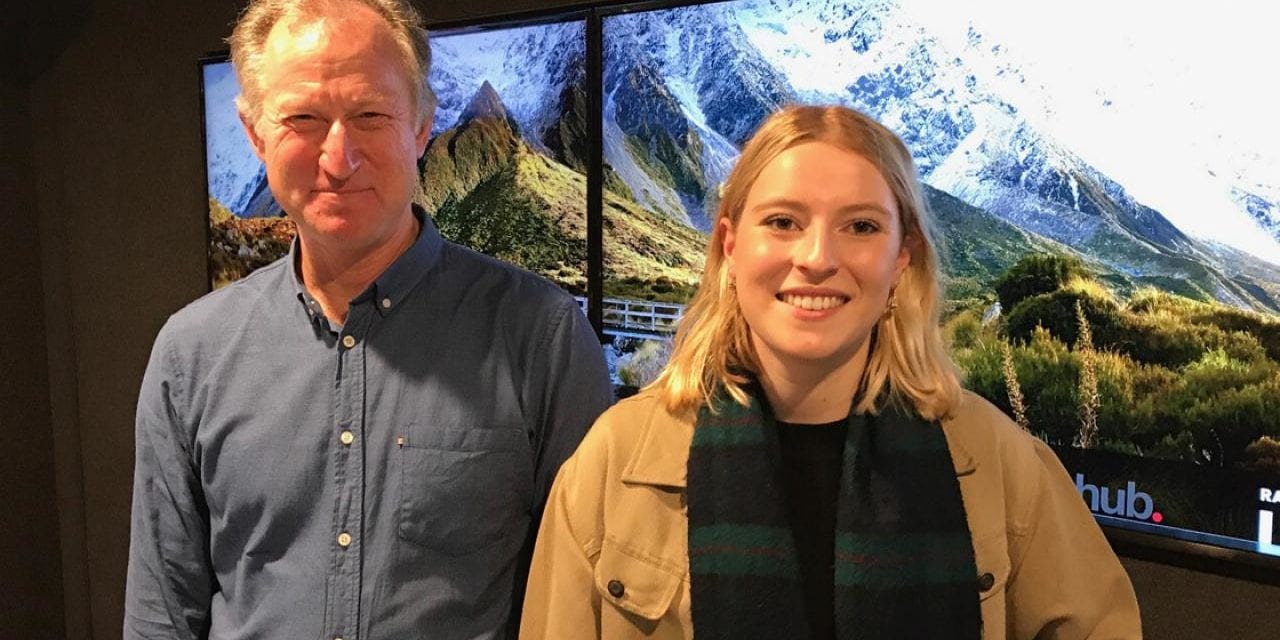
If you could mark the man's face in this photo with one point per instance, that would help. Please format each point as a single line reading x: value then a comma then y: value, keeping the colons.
x: 338, y: 131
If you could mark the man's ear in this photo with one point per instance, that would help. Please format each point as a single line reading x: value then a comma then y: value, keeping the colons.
x: 423, y: 135
x: 255, y: 140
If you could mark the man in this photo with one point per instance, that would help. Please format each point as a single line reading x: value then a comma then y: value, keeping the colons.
x: 355, y: 441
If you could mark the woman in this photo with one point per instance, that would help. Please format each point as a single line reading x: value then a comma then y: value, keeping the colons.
x: 807, y: 465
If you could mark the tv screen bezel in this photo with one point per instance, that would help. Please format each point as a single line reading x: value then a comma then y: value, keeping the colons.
x: 209, y: 58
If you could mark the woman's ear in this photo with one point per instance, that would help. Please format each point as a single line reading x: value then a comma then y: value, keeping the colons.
x: 728, y: 241
x: 910, y: 245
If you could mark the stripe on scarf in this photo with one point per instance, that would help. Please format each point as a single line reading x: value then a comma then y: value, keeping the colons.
x: 899, y: 559
x: 736, y: 549
x: 726, y: 435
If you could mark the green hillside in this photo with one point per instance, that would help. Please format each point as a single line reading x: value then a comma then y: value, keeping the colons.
x: 1176, y: 378
x: 530, y: 211
x: 487, y: 189
x: 460, y: 159
x: 648, y: 255
x: 976, y: 247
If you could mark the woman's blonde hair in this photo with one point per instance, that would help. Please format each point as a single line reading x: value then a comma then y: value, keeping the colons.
x: 712, y: 347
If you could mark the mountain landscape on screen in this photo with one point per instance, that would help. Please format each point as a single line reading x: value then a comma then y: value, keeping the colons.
x: 246, y: 227
x: 1107, y: 200
x: 1128, y: 333
x: 684, y: 87
x: 505, y: 171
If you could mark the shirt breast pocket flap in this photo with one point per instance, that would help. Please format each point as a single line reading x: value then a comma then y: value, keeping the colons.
x: 991, y: 553
x: 463, y: 489
x: 632, y: 581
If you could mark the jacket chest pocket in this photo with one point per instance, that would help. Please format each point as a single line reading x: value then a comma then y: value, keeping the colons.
x: 463, y: 489
x: 636, y: 592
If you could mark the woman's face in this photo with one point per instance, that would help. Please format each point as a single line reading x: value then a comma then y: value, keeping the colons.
x: 817, y: 250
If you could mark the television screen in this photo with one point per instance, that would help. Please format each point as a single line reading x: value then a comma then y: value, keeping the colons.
x: 504, y: 171
x: 1108, y: 199
x: 247, y: 229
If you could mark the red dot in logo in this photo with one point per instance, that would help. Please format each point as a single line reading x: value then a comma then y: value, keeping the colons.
x: 1157, y: 518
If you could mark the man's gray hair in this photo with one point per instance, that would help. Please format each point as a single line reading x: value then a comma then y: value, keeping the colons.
x: 249, y: 38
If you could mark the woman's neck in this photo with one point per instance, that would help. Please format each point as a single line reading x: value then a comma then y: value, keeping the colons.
x: 812, y: 392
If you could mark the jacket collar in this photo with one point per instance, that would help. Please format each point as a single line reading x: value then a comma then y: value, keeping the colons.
x: 662, y: 455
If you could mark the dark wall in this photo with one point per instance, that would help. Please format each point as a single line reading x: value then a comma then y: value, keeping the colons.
x: 104, y: 237
x: 30, y: 559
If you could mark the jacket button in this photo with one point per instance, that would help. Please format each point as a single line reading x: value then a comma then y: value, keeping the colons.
x: 616, y: 588
x: 986, y: 581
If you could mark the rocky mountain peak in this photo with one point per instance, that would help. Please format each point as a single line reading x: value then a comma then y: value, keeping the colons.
x: 486, y: 104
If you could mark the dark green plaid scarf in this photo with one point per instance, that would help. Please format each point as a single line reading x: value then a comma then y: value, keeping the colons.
x: 904, y: 565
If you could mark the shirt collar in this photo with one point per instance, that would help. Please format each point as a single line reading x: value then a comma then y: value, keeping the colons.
x: 393, y: 286
x: 309, y: 303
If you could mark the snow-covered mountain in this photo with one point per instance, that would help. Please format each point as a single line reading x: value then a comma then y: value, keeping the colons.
x: 873, y: 57
x: 712, y: 72
x: 237, y: 178
x: 925, y: 78
x: 1265, y: 210
x: 683, y: 89
x: 530, y: 67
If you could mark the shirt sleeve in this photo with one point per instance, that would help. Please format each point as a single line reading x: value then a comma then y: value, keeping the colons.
x: 1067, y: 582
x: 170, y: 579
x: 571, y: 386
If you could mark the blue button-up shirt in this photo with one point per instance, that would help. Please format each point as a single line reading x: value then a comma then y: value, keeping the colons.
x: 300, y: 480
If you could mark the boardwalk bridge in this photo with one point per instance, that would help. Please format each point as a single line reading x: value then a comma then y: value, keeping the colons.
x: 638, y: 318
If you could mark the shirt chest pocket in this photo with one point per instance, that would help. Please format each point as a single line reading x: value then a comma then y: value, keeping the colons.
x: 463, y: 489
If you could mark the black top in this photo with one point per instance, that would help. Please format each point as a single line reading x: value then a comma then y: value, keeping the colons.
x: 811, y: 465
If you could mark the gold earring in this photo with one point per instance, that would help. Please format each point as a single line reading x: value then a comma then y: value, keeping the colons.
x: 891, y: 305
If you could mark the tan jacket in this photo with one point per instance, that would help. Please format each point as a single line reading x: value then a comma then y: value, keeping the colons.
x: 611, y: 560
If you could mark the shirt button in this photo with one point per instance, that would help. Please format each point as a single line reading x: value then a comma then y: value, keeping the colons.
x: 386, y: 303
x: 986, y: 581
x: 616, y: 588
x: 347, y: 437
x: 348, y: 341
x: 344, y: 539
